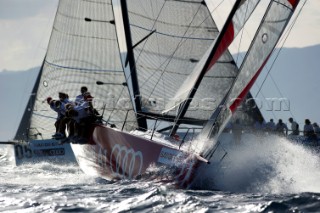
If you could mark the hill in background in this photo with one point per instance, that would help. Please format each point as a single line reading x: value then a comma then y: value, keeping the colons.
x: 294, y: 76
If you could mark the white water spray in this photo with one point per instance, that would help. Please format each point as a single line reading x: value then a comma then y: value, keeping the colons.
x: 265, y: 165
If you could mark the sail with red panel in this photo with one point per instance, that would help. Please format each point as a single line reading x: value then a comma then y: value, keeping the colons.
x: 240, y: 13
x: 265, y: 40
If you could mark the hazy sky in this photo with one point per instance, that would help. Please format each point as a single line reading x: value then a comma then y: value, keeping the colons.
x: 305, y: 31
x: 26, y: 27
x: 24, y: 32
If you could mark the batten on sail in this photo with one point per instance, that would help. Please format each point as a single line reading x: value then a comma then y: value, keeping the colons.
x: 267, y: 36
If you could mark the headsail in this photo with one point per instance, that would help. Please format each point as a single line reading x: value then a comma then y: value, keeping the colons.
x: 240, y: 13
x: 270, y: 30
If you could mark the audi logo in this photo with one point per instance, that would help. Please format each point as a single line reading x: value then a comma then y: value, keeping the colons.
x: 126, y: 161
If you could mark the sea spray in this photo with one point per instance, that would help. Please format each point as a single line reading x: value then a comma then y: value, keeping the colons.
x: 47, y: 187
x: 269, y: 164
x: 44, y: 174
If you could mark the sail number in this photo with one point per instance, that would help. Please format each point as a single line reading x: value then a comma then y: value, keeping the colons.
x: 22, y: 151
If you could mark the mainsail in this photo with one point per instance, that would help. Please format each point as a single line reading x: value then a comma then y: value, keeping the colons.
x: 183, y: 31
x: 84, y: 49
x: 269, y: 32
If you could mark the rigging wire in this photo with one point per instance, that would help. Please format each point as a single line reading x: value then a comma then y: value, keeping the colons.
x: 277, y: 55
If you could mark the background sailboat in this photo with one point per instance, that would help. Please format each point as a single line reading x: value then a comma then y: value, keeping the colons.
x: 28, y: 144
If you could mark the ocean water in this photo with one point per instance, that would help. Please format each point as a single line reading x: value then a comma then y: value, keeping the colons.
x: 260, y: 175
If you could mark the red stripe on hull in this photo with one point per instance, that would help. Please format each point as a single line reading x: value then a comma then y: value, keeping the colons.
x: 245, y: 91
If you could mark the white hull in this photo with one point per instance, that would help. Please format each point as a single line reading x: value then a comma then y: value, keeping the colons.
x: 38, y: 151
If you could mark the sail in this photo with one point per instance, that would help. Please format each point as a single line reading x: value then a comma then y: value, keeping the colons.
x: 183, y: 31
x: 240, y: 13
x: 170, y: 38
x: 22, y: 133
x: 82, y: 50
x: 127, y: 57
x: 269, y: 32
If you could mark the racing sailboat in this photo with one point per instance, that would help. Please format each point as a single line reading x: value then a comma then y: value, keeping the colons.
x: 159, y: 71
x: 28, y: 145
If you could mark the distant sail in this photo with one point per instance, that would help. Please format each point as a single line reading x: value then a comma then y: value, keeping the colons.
x: 270, y: 30
x: 24, y: 132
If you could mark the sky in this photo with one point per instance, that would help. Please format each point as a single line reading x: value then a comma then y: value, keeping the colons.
x: 25, y: 27
x: 305, y: 32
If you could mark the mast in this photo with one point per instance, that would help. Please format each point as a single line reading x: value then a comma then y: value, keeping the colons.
x: 226, y: 28
x: 142, y: 122
x: 23, y: 129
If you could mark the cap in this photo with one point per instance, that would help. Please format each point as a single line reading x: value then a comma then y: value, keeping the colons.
x: 49, y: 99
x: 83, y: 89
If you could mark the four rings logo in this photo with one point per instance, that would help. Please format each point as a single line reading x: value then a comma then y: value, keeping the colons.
x: 127, y: 162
